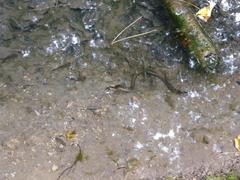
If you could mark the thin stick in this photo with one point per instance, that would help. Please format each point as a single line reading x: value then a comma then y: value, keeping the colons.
x: 67, y: 169
x: 134, y: 36
x: 119, y: 34
x: 162, y: 77
x: 72, y: 165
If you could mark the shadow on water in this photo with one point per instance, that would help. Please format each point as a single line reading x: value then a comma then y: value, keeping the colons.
x: 80, y: 33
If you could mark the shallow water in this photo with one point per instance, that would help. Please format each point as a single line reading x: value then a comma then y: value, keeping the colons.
x: 56, y: 78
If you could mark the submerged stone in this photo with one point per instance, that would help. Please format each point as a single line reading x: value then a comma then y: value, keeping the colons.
x: 6, y: 53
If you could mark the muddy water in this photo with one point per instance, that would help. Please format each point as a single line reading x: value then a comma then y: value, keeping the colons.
x: 59, y: 72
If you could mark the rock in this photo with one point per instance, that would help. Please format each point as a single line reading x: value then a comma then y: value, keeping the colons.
x: 54, y: 168
x: 12, y: 143
x: 6, y: 53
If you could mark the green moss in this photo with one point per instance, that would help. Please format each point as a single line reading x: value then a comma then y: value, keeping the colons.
x: 132, y: 164
x: 213, y: 79
x: 80, y: 157
x: 226, y: 177
x: 193, y: 38
x: 169, y: 178
x: 213, y: 178
x: 112, y: 155
x: 205, y: 140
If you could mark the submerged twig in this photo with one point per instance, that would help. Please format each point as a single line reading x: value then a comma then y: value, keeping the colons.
x: 114, y: 41
x: 134, y: 36
x: 79, y: 157
x: 121, y: 32
x: 162, y: 78
x: 118, y: 87
x: 202, y: 52
x: 166, y: 82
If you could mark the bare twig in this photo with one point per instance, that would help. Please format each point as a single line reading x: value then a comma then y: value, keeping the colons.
x: 162, y: 77
x: 134, y: 36
x: 119, y: 34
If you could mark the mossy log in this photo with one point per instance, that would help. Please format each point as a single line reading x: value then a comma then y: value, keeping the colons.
x: 203, y: 55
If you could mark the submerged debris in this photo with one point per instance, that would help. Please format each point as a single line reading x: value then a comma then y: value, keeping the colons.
x: 80, y: 157
x: 203, y: 54
x: 162, y: 77
x: 117, y: 88
x: 70, y: 135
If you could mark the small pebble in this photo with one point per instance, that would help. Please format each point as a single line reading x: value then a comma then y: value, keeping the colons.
x: 54, y: 168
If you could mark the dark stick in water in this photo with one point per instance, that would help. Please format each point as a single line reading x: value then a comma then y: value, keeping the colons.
x: 78, y: 158
x: 163, y: 78
x: 204, y: 56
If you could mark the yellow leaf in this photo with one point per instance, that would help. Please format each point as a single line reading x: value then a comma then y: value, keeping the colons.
x: 206, y: 12
x: 237, y: 142
x: 70, y: 135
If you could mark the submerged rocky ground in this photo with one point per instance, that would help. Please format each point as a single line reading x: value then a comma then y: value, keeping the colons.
x: 60, y: 73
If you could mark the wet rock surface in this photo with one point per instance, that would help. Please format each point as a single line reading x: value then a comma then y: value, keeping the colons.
x: 6, y: 53
x: 66, y: 76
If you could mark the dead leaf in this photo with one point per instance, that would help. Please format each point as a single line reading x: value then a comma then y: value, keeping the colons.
x: 70, y: 135
x: 206, y: 12
x: 237, y: 143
